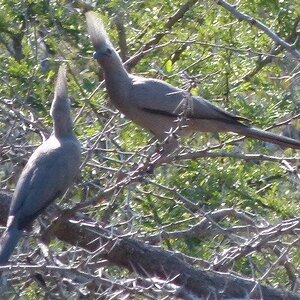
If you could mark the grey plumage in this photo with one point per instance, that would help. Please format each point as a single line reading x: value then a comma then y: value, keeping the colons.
x: 155, y: 105
x: 48, y: 173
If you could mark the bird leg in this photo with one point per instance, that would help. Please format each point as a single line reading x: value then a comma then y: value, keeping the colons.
x: 162, y: 150
x: 165, y: 148
x: 170, y: 143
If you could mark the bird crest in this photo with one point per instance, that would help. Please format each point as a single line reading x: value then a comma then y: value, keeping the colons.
x: 96, y: 30
x: 61, y: 91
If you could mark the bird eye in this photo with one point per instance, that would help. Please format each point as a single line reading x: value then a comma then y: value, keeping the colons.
x: 108, y: 51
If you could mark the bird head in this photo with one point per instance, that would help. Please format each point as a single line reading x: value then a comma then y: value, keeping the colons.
x: 103, y: 53
x: 104, y: 50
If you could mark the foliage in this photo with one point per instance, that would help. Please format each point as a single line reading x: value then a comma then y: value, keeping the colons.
x: 207, y: 51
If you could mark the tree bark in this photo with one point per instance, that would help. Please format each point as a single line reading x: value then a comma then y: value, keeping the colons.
x: 150, y: 261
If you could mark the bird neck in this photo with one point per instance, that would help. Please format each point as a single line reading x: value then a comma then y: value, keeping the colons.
x: 63, y: 125
x: 117, y: 81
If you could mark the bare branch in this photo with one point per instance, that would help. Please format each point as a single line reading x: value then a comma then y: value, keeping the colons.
x: 170, y: 23
x: 244, y: 17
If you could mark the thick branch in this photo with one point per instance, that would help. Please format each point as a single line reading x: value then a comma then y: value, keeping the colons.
x: 152, y: 261
x: 122, y: 36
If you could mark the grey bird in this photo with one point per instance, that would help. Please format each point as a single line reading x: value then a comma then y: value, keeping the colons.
x: 156, y: 105
x: 48, y: 173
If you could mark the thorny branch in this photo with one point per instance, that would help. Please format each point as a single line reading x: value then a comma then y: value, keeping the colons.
x: 124, y: 251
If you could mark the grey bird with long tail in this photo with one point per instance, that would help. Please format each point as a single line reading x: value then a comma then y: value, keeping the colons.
x: 48, y: 173
x: 156, y: 105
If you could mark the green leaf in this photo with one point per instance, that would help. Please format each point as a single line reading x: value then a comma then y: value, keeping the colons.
x: 169, y: 66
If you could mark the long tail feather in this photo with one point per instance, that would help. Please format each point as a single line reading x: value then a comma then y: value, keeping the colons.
x: 8, y: 243
x: 270, y: 137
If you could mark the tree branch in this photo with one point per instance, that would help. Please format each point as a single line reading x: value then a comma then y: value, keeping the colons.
x: 170, y: 23
x: 149, y: 261
x: 266, y: 59
x: 244, y: 17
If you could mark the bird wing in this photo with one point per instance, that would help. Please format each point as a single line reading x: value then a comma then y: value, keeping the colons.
x: 46, y: 176
x: 159, y: 97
